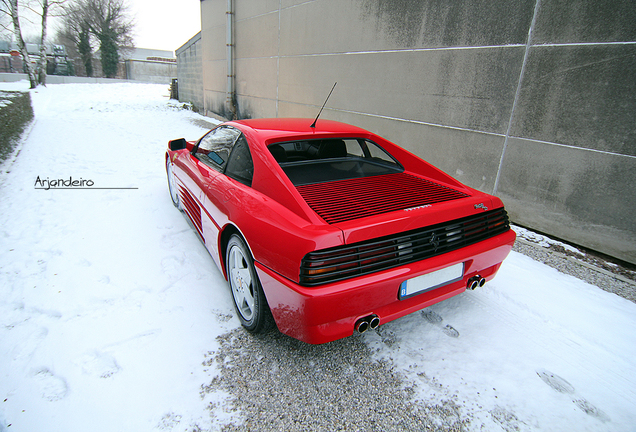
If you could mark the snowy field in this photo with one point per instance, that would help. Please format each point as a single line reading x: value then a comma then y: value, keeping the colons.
x: 109, y: 302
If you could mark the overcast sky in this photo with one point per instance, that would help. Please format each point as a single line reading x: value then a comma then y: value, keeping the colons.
x: 165, y: 24
x: 161, y: 24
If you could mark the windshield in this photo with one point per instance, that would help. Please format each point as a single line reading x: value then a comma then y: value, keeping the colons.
x: 318, y: 161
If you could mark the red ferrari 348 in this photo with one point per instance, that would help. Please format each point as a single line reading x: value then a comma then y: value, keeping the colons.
x: 331, y: 229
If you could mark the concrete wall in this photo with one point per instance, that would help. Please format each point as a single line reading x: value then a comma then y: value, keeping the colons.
x: 190, y: 72
x: 146, y: 53
x: 532, y: 100
x: 158, y: 72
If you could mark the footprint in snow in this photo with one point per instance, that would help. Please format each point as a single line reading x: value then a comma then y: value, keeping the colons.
x: 99, y: 364
x: 562, y: 386
x: 27, y: 347
x: 52, y: 387
x: 434, y: 318
x: 556, y: 382
x: 450, y: 331
x: 591, y: 410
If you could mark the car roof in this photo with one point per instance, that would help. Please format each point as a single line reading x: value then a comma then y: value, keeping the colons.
x: 276, y: 129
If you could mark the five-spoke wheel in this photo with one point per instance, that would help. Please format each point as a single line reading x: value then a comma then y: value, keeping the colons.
x: 249, y: 299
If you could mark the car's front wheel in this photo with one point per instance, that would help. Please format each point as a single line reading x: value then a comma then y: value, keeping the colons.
x: 172, y: 185
x: 249, y: 299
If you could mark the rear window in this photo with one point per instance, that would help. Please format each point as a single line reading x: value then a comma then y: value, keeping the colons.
x: 318, y: 161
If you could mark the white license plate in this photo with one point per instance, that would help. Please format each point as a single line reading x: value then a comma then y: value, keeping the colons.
x: 431, y: 280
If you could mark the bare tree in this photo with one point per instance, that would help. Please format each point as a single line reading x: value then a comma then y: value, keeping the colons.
x: 108, y: 21
x: 41, y: 65
x: 4, y: 18
x: 41, y: 8
x: 11, y: 6
x: 76, y: 35
x: 44, y: 9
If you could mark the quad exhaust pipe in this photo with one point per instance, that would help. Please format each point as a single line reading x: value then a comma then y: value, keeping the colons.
x: 373, y: 321
x: 366, y: 323
x: 475, y: 281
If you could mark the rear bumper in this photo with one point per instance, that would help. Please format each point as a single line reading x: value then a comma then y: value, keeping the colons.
x: 322, y: 314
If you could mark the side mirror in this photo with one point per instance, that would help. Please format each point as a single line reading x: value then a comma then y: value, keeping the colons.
x: 178, y: 144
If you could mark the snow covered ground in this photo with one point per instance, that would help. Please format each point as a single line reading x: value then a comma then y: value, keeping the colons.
x: 109, y: 302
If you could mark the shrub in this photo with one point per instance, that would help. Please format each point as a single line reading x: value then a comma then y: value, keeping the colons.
x: 16, y: 113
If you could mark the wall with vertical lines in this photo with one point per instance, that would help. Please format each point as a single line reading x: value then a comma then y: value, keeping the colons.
x: 533, y: 100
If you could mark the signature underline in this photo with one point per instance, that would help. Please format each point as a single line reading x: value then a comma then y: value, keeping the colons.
x: 89, y: 187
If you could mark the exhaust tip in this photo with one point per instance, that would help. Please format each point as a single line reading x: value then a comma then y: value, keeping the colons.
x: 374, y: 322
x: 475, y: 281
x: 362, y: 325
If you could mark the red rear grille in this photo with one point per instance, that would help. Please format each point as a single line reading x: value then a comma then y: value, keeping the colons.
x: 345, y: 200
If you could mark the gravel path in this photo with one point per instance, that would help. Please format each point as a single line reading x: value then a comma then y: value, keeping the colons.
x: 281, y: 384
x: 277, y: 383
x: 596, y: 271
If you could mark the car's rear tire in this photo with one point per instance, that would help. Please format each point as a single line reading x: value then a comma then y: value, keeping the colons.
x: 172, y: 185
x: 249, y: 300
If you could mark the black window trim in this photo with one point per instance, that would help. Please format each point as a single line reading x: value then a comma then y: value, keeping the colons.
x: 249, y: 150
x: 361, y: 141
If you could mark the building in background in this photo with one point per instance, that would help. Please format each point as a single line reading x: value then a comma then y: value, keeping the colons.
x: 533, y: 101
x: 148, y: 65
x: 137, y: 64
x: 11, y: 61
x: 190, y: 72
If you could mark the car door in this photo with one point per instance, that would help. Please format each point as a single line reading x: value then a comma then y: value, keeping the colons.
x: 222, y: 200
x: 211, y: 158
x: 226, y: 190
x: 201, y: 166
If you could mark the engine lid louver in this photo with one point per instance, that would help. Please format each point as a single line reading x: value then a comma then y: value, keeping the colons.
x: 345, y: 200
x: 192, y: 209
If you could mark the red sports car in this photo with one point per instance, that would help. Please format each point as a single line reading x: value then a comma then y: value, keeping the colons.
x: 331, y: 229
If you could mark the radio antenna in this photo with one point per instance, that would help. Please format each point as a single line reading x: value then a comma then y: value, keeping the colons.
x: 313, y: 125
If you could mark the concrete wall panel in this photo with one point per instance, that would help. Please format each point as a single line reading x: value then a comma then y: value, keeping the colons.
x: 214, y: 101
x: 215, y: 76
x: 256, y: 77
x: 592, y: 21
x: 291, y: 3
x: 369, y: 25
x: 267, y: 107
x: 471, y: 89
x: 246, y: 10
x: 257, y: 37
x: 450, y: 23
x: 584, y: 195
x: 212, y: 15
x: 217, y: 50
x: 584, y: 96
